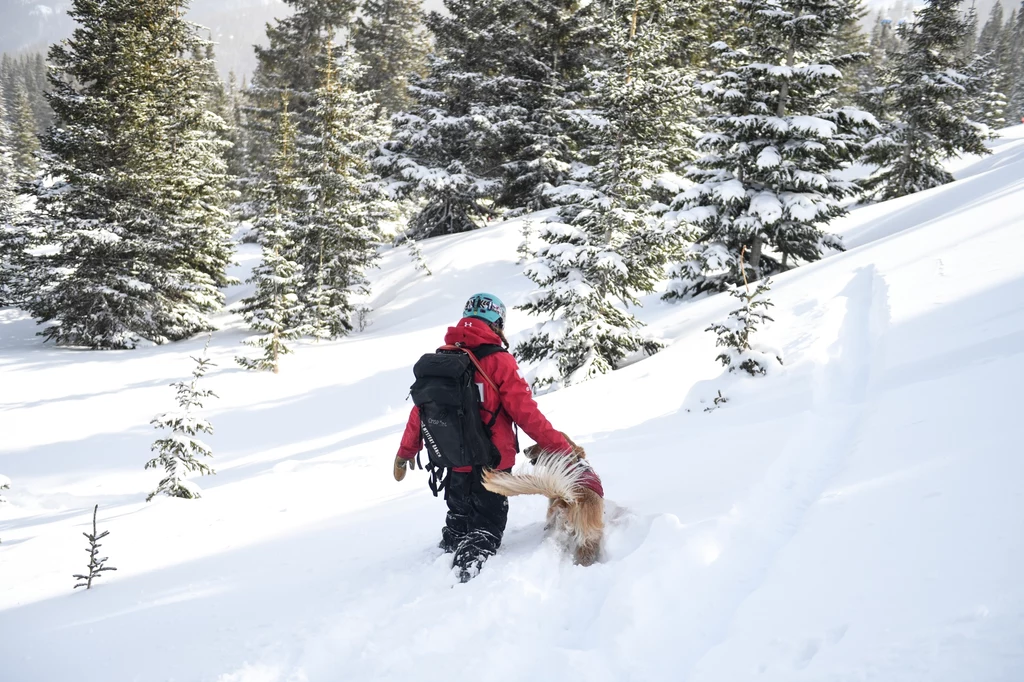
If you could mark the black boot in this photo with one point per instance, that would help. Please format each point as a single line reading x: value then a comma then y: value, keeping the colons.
x: 475, y: 523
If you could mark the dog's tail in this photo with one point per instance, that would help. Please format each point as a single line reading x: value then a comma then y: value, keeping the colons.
x: 554, y: 475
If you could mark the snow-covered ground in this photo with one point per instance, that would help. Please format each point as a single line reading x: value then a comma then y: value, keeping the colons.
x: 858, y: 515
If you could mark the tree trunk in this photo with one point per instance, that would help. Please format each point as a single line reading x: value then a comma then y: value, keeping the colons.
x: 784, y: 90
x: 755, y: 256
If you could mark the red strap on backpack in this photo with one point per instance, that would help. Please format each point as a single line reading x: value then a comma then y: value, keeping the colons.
x: 474, y: 360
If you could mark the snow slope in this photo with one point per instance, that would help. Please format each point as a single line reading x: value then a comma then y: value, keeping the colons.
x: 857, y: 515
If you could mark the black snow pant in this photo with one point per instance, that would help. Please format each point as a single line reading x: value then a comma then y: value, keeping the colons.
x: 475, y: 523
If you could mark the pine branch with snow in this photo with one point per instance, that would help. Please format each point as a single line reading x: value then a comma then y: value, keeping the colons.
x: 97, y: 564
x: 179, y: 453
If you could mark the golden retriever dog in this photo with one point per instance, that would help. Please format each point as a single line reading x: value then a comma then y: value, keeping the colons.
x: 576, y: 512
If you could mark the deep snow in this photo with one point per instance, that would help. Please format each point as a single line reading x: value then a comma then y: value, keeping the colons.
x: 857, y: 515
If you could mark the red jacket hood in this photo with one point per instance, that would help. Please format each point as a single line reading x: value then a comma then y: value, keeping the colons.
x: 472, y: 332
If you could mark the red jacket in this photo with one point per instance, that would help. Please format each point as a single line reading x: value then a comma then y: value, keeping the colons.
x: 513, y: 395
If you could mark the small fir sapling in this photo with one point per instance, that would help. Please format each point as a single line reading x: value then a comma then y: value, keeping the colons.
x: 523, y: 250
x: 179, y: 452
x: 96, y: 563
x: 417, y: 256
x: 734, y: 334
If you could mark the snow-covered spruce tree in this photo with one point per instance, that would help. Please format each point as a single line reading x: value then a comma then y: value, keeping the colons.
x: 988, y: 39
x: 1010, y: 64
x: 237, y: 156
x: 24, y: 141
x: 606, y: 245
x: 392, y: 42
x: 274, y: 308
x: 1015, y: 70
x: 927, y: 102
x: 491, y: 124
x: 768, y: 180
x: 340, y: 231
x: 288, y: 71
x: 990, y: 103
x: 853, y: 43
x: 12, y: 242
x: 179, y: 453
x: 136, y: 216
x: 988, y: 68
x: 97, y: 564
x: 441, y: 153
x: 734, y: 335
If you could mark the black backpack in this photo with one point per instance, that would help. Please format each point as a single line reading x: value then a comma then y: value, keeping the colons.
x: 449, y: 402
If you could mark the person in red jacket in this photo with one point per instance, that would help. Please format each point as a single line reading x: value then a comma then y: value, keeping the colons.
x: 476, y: 517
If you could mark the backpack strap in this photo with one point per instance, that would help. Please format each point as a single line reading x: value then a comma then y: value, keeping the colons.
x: 473, y: 358
x: 482, y: 351
x: 438, y: 478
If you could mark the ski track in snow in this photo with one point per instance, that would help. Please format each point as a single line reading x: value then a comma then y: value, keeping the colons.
x: 769, y: 518
x: 740, y: 550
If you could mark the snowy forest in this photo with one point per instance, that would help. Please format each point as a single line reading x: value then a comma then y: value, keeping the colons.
x: 706, y: 144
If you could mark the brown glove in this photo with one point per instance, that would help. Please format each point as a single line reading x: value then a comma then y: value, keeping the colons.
x: 400, y: 467
x: 535, y: 451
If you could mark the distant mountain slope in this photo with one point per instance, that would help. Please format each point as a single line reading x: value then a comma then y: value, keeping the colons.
x: 236, y: 25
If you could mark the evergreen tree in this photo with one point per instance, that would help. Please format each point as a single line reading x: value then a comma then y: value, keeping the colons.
x: 30, y: 73
x: 883, y: 43
x: 137, y: 217
x: 606, y: 246
x: 768, y: 181
x: 491, y: 127
x: 237, y: 156
x: 288, y: 71
x: 339, y: 234
x: 37, y: 93
x: 988, y: 41
x: 734, y: 334
x: 24, y: 141
x: 855, y: 45
x: 989, y: 68
x: 274, y: 308
x: 1011, y: 67
x: 969, y: 42
x: 8, y: 189
x: 97, y: 564
x: 926, y: 88
x: 12, y: 245
x: 393, y: 44
x: 179, y: 452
